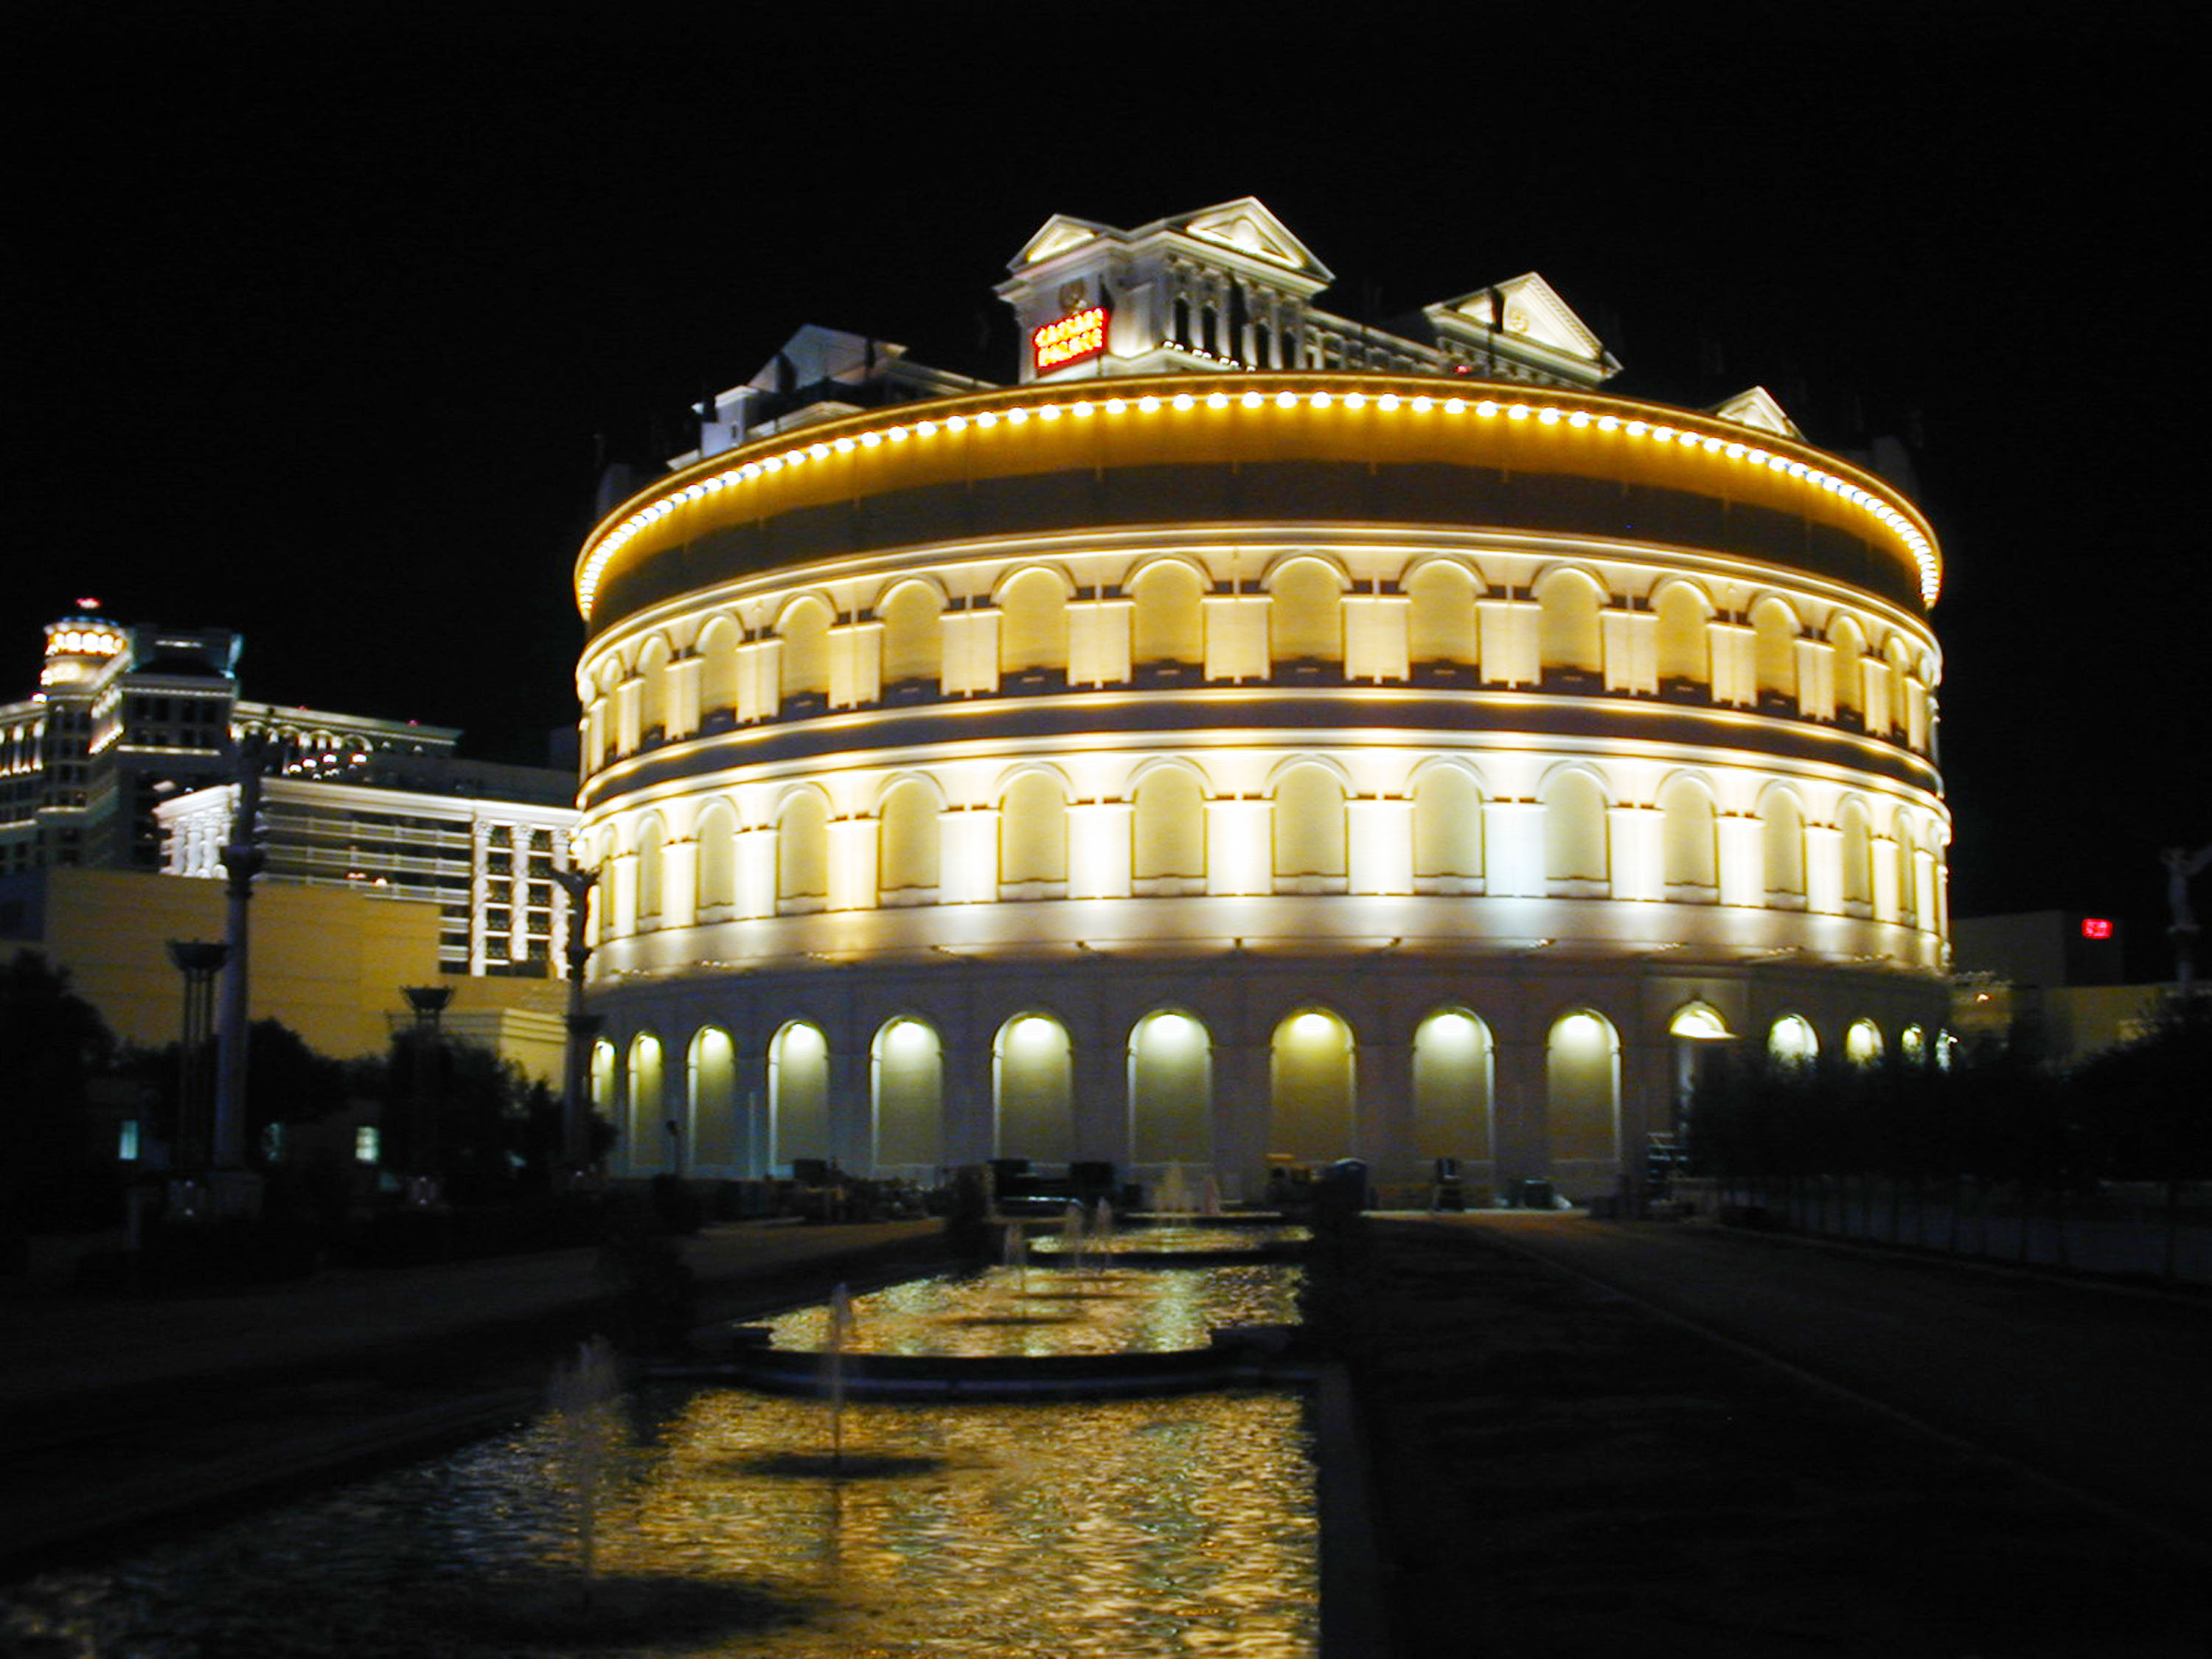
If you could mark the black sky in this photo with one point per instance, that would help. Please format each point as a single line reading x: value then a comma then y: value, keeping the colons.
x: 329, y: 307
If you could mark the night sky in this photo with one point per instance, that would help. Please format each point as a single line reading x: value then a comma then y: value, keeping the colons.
x: 330, y: 310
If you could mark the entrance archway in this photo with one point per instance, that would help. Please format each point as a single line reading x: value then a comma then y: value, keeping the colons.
x: 1032, y: 1090
x: 1170, y: 1089
x: 1311, y: 1075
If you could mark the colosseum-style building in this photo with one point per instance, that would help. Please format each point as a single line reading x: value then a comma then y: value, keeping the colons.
x: 1251, y: 733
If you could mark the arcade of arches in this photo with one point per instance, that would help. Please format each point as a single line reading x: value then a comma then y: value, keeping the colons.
x: 1542, y: 1082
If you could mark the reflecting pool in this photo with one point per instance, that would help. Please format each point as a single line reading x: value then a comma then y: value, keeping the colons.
x: 1173, y: 1238
x: 1034, y: 1311
x: 1128, y: 1527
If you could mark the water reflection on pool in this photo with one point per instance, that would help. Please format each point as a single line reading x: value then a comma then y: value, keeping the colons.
x: 1133, y: 1528
x: 1173, y: 1238
x: 1055, y: 1311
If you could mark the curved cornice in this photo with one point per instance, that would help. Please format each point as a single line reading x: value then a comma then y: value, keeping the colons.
x: 1377, y: 449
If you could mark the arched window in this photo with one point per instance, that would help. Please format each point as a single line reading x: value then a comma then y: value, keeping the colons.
x: 797, y: 1095
x: 1582, y: 1089
x: 1911, y: 897
x: 646, y: 1138
x: 1167, y: 620
x: 1791, y: 1041
x: 804, y: 629
x: 1311, y: 1087
x: 1848, y: 646
x: 1310, y: 831
x: 1684, y: 642
x: 802, y: 850
x: 715, y: 1142
x: 911, y: 615
x: 718, y: 861
x: 909, y: 866
x: 1033, y: 622
x: 1575, y: 841
x: 1858, y: 857
x: 1862, y: 1044
x: 1452, y: 1071
x: 1168, y: 826
x: 1033, y: 1090
x: 1447, y: 828
x: 718, y: 668
x: 603, y: 1078
x: 610, y: 712
x: 653, y: 689
x: 1700, y: 1040
x: 1033, y: 831
x: 1305, y: 621
x: 1170, y: 1089
x: 1774, y: 650
x: 1689, y: 858
x: 1782, y: 845
x: 652, y: 854
x: 1440, y: 616
x: 603, y: 902
x: 909, y: 1097
x: 1569, y: 637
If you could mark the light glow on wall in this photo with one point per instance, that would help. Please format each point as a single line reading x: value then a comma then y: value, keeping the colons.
x: 1699, y: 1023
x: 1792, y: 1040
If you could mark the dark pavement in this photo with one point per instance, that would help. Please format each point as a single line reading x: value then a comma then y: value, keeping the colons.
x: 2101, y: 1389
x: 116, y: 1415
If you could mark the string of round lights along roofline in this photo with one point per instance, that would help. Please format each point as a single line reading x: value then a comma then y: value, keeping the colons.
x: 1622, y: 418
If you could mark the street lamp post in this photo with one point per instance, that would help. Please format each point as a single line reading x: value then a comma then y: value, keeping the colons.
x: 428, y: 1003
x: 200, y: 961
x: 576, y: 1069
x: 235, y: 1189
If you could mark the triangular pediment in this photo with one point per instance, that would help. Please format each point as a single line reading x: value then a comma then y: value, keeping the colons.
x: 1756, y: 408
x: 1246, y: 226
x: 1058, y: 235
x: 1529, y: 307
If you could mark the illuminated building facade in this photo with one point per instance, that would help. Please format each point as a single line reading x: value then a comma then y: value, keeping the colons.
x: 123, y: 759
x: 126, y: 717
x: 1250, y: 734
x: 487, y: 862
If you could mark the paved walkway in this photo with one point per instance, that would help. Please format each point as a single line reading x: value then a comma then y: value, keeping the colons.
x: 2098, y: 1388
x: 113, y: 1411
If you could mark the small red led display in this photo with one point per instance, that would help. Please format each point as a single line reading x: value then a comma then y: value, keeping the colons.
x: 2096, y: 927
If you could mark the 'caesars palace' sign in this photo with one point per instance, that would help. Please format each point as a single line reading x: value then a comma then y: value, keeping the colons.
x: 1073, y: 337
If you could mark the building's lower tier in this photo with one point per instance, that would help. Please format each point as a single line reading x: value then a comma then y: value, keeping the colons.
x: 1514, y: 1065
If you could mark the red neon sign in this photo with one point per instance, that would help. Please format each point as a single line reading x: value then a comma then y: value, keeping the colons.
x: 2096, y: 927
x: 1072, y: 339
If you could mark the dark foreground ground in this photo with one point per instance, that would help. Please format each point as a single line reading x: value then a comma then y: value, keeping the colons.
x: 118, y: 1416
x: 1558, y: 1470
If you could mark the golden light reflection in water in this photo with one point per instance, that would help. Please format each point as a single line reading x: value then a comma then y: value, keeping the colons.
x: 1055, y: 1311
x: 1172, y: 1239
x: 1130, y: 1528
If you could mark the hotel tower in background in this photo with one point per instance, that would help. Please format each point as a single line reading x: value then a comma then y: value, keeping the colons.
x: 1253, y: 733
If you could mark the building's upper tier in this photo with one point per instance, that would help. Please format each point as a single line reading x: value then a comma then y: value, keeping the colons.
x: 844, y: 446
x: 1261, y: 454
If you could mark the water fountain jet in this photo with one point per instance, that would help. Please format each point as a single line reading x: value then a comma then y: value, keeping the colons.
x: 588, y: 1433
